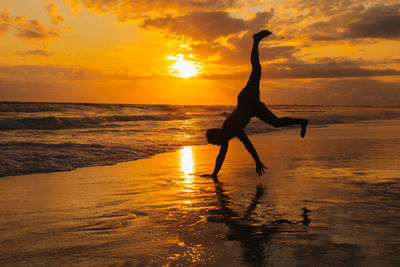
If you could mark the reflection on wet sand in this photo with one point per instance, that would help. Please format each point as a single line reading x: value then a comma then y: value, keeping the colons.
x: 186, y: 162
x: 252, y: 235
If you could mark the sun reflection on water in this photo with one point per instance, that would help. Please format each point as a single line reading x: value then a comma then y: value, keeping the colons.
x: 187, y: 164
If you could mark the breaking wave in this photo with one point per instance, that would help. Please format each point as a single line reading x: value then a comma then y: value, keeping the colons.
x: 54, y: 123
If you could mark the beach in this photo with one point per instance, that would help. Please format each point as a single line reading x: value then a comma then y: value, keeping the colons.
x: 330, y: 199
x: 199, y: 133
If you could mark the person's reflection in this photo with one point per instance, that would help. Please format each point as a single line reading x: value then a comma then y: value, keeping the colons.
x: 244, y: 229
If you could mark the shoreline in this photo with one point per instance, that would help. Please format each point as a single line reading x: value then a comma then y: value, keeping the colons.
x: 362, y: 129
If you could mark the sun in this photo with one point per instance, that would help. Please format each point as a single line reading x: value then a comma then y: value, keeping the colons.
x: 183, y: 68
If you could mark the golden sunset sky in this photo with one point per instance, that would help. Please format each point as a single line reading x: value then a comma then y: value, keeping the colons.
x: 334, y: 52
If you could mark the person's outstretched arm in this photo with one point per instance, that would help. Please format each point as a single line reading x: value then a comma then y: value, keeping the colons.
x: 249, y: 146
x: 220, y: 159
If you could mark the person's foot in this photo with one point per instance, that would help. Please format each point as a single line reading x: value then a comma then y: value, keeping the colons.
x: 303, y: 128
x: 261, y: 34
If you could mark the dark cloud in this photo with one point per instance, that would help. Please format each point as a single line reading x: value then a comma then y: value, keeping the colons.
x: 208, y: 19
x: 242, y: 48
x: 325, y: 68
x: 324, y: 8
x: 378, y: 21
x: 241, y: 54
x: 36, y: 52
x: 331, y: 69
x: 260, y: 20
x: 361, y: 92
x: 335, y: 92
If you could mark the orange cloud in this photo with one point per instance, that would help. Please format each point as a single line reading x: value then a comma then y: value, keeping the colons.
x: 33, y: 29
x: 55, y: 16
x: 5, y: 21
x: 199, y: 25
x: 127, y: 10
x: 36, y: 52
x: 210, y: 25
x: 25, y: 28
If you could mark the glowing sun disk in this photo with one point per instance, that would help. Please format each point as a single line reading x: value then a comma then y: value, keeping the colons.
x: 183, y: 68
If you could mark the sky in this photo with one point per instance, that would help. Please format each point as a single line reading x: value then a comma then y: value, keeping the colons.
x: 321, y: 52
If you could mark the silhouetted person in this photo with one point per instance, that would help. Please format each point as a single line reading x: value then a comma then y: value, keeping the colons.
x: 248, y: 106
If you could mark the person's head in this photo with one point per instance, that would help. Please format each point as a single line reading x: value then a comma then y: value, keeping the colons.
x: 215, y: 136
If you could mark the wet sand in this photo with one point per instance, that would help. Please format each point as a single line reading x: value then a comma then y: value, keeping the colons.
x: 331, y: 199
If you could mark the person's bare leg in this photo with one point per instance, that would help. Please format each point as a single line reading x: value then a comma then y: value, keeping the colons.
x: 264, y: 114
x: 255, y: 75
x: 286, y: 121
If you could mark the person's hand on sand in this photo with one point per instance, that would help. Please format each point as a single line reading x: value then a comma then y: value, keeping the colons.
x: 260, y: 168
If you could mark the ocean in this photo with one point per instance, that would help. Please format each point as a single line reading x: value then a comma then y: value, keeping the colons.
x: 49, y: 137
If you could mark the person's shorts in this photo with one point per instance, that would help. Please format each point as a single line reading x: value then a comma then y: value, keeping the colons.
x: 249, y: 101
